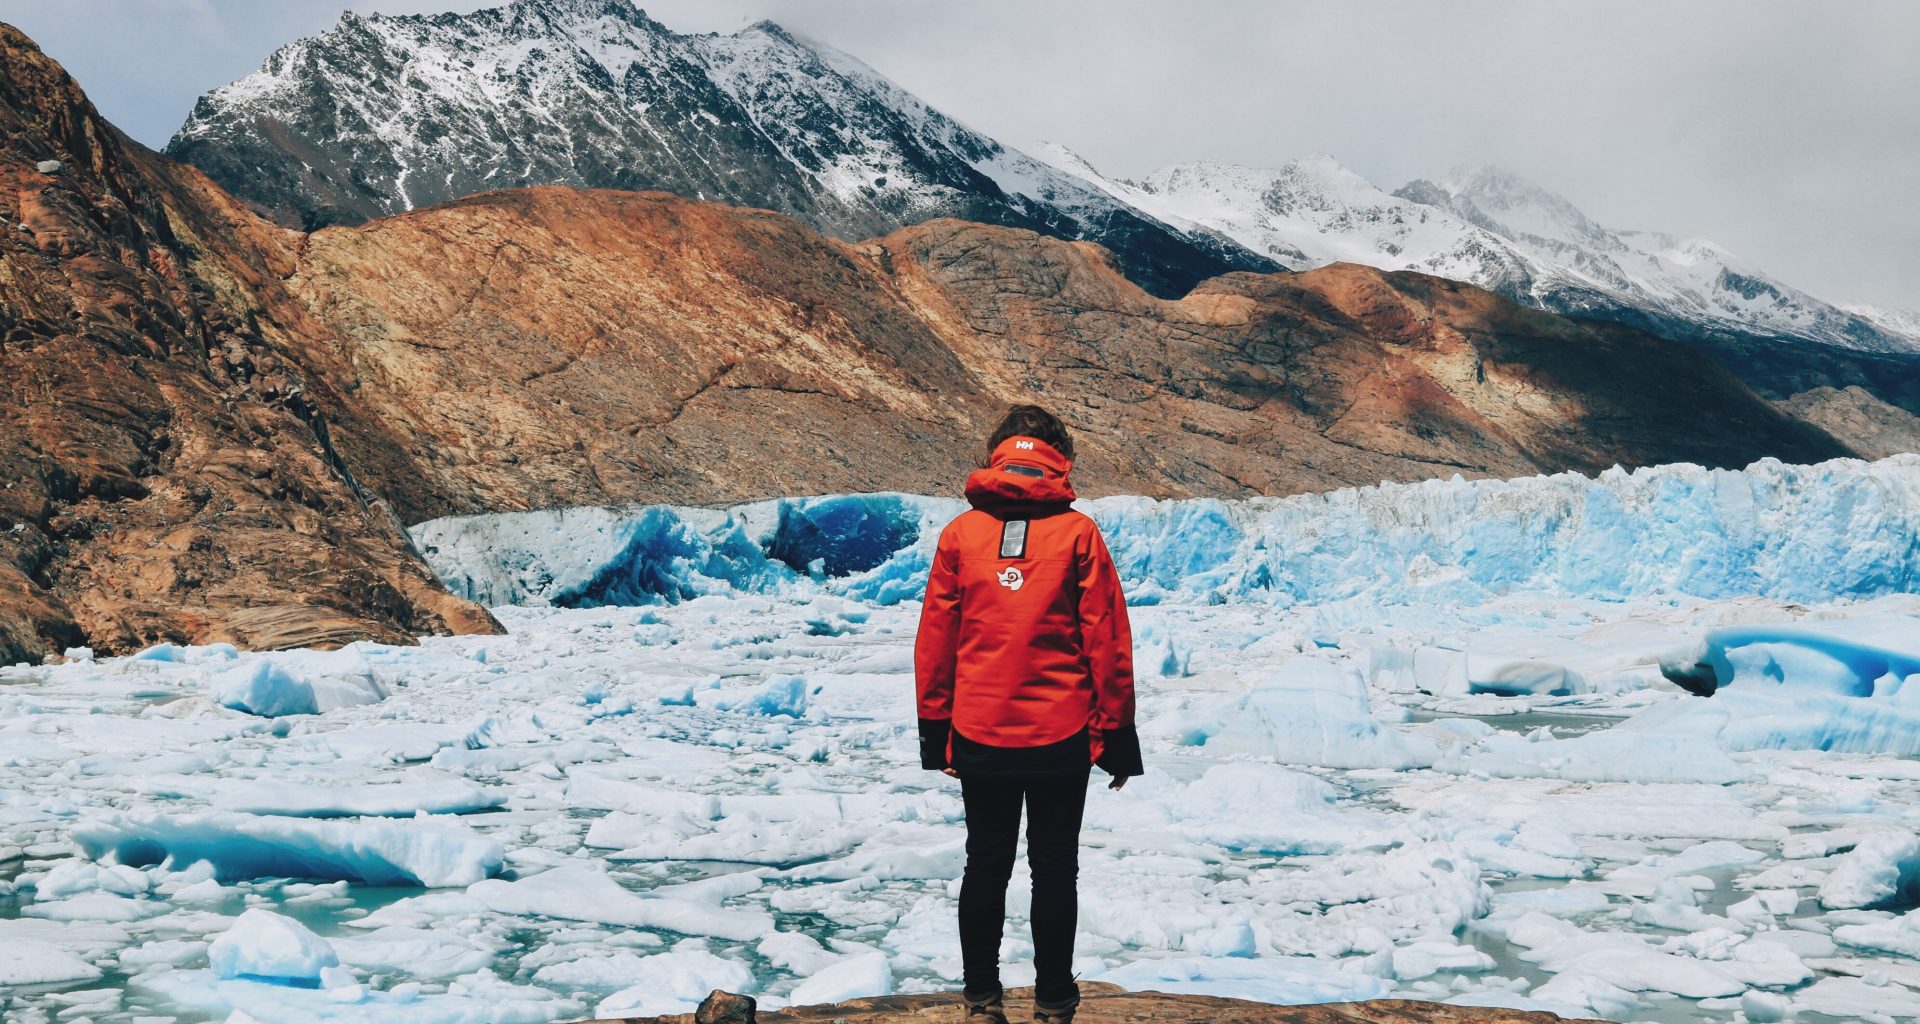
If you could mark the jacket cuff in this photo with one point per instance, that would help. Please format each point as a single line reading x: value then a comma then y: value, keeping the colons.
x: 1120, y: 751
x: 933, y: 742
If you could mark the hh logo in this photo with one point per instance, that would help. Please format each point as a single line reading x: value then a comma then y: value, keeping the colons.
x: 1028, y: 445
x: 1011, y: 579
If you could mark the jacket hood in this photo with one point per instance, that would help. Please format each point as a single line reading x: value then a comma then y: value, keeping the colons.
x: 1022, y: 471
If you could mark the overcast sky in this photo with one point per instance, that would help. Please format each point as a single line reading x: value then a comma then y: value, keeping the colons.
x: 1788, y: 132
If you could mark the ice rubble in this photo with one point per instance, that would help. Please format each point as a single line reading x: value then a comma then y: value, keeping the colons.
x: 717, y: 788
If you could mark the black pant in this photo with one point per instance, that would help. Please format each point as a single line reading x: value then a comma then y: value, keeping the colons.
x: 1054, y: 806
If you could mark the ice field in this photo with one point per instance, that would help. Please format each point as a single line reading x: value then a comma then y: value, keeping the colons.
x: 1410, y: 740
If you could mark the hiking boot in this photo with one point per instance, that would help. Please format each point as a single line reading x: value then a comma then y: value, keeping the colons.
x: 1058, y: 1013
x: 990, y: 1009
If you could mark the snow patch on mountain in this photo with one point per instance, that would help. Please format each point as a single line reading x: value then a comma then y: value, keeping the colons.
x: 1494, y: 229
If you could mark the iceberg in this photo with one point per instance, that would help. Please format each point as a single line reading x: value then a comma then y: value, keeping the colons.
x: 266, y: 946
x: 1849, y: 685
x: 298, y: 683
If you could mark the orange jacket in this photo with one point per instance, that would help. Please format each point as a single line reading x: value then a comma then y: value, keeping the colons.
x: 1024, y: 640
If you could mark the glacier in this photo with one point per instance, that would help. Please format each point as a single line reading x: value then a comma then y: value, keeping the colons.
x: 1448, y: 740
x: 1840, y: 529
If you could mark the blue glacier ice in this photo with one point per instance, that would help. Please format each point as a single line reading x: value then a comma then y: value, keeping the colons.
x: 1839, y: 529
x: 243, y: 846
x: 1849, y: 685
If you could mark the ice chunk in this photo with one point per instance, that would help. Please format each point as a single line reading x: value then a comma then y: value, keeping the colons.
x: 1286, y: 980
x: 298, y: 683
x: 33, y: 962
x: 1883, y: 869
x: 1623, y: 960
x: 1896, y: 935
x: 1245, y: 806
x: 781, y: 695
x: 1312, y: 712
x: 478, y: 998
x: 1845, y: 685
x: 242, y: 846
x: 864, y: 974
x: 585, y: 557
x: 1858, y: 999
x: 1675, y: 741
x: 580, y: 892
x: 841, y: 536
x: 1417, y: 960
x: 675, y: 982
x: 394, y: 800
x: 417, y: 952
x: 265, y: 946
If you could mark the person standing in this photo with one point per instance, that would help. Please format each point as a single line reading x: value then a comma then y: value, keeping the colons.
x: 1023, y: 666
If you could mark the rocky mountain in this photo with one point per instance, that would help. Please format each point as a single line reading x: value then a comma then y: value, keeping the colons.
x: 1498, y: 231
x: 380, y: 115
x: 555, y: 346
x: 169, y: 437
x: 211, y: 427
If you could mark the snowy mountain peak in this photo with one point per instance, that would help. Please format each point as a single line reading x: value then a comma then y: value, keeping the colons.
x: 1065, y: 159
x: 385, y: 114
x: 1507, y: 204
x: 1493, y: 228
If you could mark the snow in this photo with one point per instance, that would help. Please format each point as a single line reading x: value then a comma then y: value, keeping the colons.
x: 1419, y: 743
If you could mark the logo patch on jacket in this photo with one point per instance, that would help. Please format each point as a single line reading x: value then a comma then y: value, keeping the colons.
x: 1013, y: 538
x: 1011, y: 578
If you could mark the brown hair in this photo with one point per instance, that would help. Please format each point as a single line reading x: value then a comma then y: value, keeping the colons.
x: 1032, y: 421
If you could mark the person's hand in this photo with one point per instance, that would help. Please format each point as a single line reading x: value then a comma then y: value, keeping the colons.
x: 1118, y: 781
x: 951, y: 772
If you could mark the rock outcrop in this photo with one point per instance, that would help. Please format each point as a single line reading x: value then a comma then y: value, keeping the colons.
x: 1110, y: 1004
x: 1874, y: 428
x: 169, y: 460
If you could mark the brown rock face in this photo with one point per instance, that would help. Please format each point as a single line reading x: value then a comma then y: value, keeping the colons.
x: 212, y: 428
x: 551, y: 346
x: 1874, y: 428
x: 1109, y: 1004
x: 167, y: 469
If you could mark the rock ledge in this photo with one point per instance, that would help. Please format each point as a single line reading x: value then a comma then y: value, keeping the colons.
x: 1103, y: 1004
